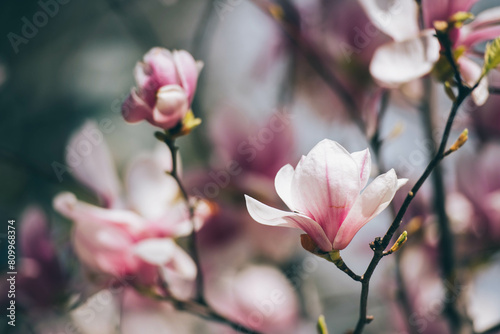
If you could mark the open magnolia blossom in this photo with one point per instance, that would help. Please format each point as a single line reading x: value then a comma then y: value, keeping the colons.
x: 325, y: 194
x: 133, y: 235
x: 166, y: 83
x: 413, y: 53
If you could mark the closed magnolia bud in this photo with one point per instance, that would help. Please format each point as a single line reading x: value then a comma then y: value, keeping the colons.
x: 166, y: 83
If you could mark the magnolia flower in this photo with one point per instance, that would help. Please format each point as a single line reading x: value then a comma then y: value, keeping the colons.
x: 414, y: 52
x: 166, y: 83
x: 326, y: 196
x: 132, y: 235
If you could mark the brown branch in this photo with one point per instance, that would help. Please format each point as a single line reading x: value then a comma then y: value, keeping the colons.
x: 380, y: 244
x: 202, y: 310
x: 193, y: 245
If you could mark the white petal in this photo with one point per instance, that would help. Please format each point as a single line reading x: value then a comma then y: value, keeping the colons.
x: 155, y: 251
x: 364, y: 162
x: 267, y: 215
x: 150, y: 190
x: 375, y: 198
x: 326, y: 184
x: 180, y: 273
x: 283, y: 184
x: 396, y: 63
x: 396, y: 18
x: 90, y: 159
x: 67, y: 205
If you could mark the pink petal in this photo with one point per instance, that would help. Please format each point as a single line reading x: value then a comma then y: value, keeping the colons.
x: 397, y: 19
x: 161, y: 67
x: 151, y: 191
x: 326, y: 183
x: 283, y: 184
x: 471, y: 72
x: 474, y: 37
x: 266, y: 215
x: 67, y: 205
x: 188, y: 70
x: 397, y: 63
x: 134, y: 109
x: 180, y: 273
x: 486, y: 18
x: 91, y: 162
x: 375, y: 198
x: 364, y: 162
x: 34, y: 235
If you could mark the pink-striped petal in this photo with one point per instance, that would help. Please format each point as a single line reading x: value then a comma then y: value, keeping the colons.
x: 475, y: 37
x: 67, y: 205
x: 375, y: 198
x: 397, y: 63
x: 188, y: 70
x: 364, y: 162
x: 267, y: 215
x: 326, y: 183
x: 135, y: 109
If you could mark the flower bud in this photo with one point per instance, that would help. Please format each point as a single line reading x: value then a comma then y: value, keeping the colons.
x: 460, y: 141
x: 166, y: 83
x: 400, y: 242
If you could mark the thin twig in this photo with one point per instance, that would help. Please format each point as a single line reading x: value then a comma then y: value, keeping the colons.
x: 313, y: 58
x: 193, y: 245
x: 198, y: 309
x: 446, y: 239
x: 379, y: 244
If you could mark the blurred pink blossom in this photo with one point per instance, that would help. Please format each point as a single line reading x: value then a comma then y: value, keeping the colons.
x: 166, y: 83
x: 132, y: 235
x: 259, y: 297
x: 258, y: 150
x: 484, y: 191
x: 414, y: 52
x: 39, y: 265
x: 326, y: 196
